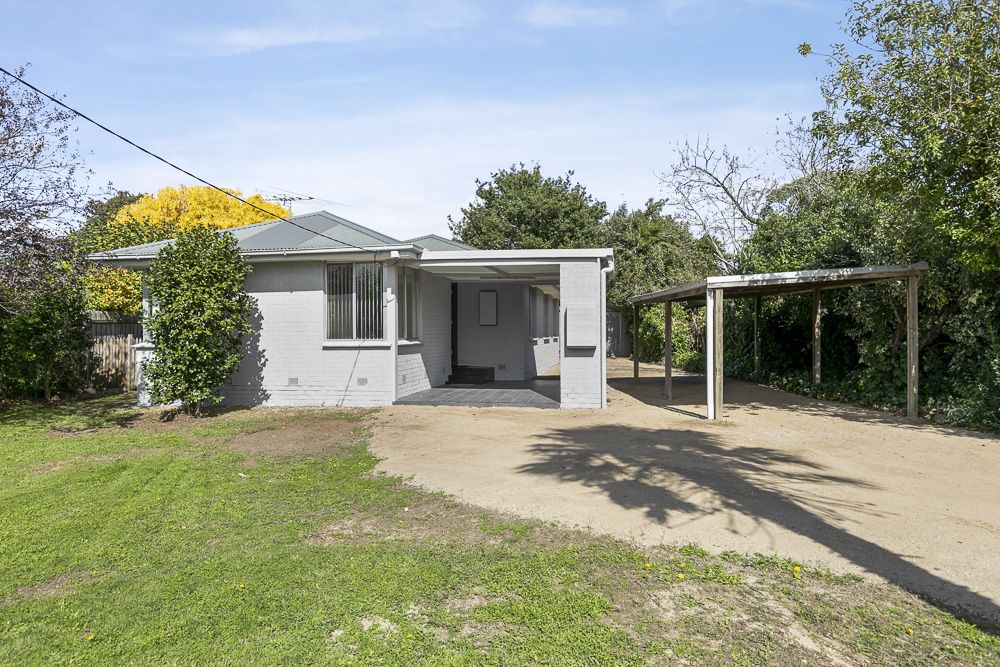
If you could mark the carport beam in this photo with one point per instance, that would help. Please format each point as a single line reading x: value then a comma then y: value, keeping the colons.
x: 912, y: 351
x: 816, y: 314
x: 636, y: 343
x: 668, y: 350
x: 713, y: 352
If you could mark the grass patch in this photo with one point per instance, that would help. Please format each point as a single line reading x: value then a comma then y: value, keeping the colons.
x: 266, y: 536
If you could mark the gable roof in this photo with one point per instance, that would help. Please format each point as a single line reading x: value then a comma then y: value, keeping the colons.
x: 435, y: 242
x: 323, y: 235
x: 310, y: 231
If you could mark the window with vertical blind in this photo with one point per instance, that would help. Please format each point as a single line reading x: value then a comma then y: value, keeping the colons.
x: 354, y: 301
x: 409, y: 303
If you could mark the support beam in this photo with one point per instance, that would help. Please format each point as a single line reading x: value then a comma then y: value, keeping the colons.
x: 912, y: 351
x: 713, y: 352
x: 668, y: 350
x: 636, y: 344
x: 756, y: 334
x: 816, y: 314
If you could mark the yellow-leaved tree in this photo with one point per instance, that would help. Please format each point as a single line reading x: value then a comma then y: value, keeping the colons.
x: 127, y: 220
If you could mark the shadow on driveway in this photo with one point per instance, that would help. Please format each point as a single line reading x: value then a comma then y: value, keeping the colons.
x: 652, y: 469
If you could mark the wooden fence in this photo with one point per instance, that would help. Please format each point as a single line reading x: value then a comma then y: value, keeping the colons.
x: 112, y: 359
x: 112, y: 362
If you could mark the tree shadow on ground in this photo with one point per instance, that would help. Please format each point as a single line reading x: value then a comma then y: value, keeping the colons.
x: 88, y: 413
x: 657, y: 470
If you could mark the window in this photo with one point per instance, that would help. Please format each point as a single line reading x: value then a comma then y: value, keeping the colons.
x: 354, y: 301
x: 409, y: 303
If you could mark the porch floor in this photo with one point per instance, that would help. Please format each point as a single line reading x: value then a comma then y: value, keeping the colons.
x: 541, y: 392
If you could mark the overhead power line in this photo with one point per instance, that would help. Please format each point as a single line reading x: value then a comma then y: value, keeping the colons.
x: 171, y: 164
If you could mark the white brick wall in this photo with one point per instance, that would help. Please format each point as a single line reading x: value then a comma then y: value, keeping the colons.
x: 503, y: 345
x: 428, y: 364
x: 581, y: 370
x: 287, y: 364
x: 545, y: 355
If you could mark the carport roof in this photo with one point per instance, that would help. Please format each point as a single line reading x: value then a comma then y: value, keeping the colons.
x: 788, y: 282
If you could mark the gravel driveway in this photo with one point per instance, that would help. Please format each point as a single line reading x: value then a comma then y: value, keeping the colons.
x: 822, y: 482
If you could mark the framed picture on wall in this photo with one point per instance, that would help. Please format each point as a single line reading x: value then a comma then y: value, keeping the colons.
x: 488, y: 308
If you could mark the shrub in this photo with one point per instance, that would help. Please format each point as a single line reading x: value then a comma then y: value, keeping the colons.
x: 200, y: 317
x: 44, y: 343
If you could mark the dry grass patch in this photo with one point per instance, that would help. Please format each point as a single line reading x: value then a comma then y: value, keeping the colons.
x: 50, y: 467
x: 64, y: 583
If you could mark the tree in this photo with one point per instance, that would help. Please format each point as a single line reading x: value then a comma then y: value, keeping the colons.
x: 915, y: 108
x: 39, y: 193
x: 722, y: 195
x: 652, y: 251
x: 520, y: 208
x: 111, y: 288
x: 43, y: 346
x: 199, y: 319
x: 127, y: 219
x: 99, y: 232
x: 175, y: 210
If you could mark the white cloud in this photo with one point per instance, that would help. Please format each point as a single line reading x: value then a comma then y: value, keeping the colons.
x: 335, y: 23
x: 405, y: 170
x: 245, y: 40
x: 563, y: 15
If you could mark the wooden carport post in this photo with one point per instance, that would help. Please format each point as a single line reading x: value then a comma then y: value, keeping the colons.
x: 668, y: 350
x: 713, y: 352
x: 756, y: 333
x: 636, y: 344
x: 816, y: 315
x: 912, y: 351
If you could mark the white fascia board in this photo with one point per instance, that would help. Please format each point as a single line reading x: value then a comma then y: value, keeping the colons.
x: 539, y: 256
x: 407, y: 251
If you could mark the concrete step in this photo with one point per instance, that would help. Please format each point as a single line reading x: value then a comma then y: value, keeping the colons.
x: 471, y: 375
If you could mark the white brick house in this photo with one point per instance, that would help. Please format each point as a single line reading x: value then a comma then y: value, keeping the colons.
x: 367, y: 320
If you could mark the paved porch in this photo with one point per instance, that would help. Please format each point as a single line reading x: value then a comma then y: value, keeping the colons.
x: 542, y: 392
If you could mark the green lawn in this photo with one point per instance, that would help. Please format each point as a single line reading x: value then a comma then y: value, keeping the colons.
x: 263, y: 536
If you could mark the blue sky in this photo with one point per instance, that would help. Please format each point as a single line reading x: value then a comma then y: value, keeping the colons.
x: 393, y: 109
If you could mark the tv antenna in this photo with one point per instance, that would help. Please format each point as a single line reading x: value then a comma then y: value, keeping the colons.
x: 286, y: 197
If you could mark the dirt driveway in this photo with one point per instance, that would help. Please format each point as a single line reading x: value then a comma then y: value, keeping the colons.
x: 821, y: 482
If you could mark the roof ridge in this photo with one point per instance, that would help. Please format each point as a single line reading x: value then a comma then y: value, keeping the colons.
x: 367, y: 231
x: 452, y: 242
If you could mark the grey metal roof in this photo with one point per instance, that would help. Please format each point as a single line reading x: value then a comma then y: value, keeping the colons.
x: 435, y: 242
x: 311, y: 231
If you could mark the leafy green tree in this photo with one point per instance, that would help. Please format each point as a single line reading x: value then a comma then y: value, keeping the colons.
x: 99, y: 231
x: 199, y: 319
x: 837, y: 219
x: 44, y: 344
x: 916, y: 110
x: 520, y: 208
x: 654, y: 251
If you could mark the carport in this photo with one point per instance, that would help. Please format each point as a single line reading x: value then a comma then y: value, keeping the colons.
x: 711, y: 291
